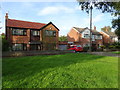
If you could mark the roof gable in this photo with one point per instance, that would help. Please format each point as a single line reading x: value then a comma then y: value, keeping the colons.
x: 80, y: 30
x: 49, y: 24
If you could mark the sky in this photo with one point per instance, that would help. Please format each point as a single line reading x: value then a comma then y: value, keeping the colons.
x: 64, y: 15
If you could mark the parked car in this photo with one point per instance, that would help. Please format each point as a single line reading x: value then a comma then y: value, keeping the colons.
x: 76, y: 48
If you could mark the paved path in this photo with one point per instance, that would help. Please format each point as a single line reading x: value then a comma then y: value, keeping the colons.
x: 105, y: 54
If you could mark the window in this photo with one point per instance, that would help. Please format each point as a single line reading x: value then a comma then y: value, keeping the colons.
x: 93, y: 38
x: 50, y: 33
x: 19, y: 31
x: 86, y: 35
x: 19, y: 47
x: 98, y: 37
x: 35, y: 33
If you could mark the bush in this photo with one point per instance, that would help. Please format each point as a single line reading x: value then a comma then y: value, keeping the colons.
x: 111, y: 46
x: 103, y: 47
x: 85, y: 49
x: 5, y: 45
x: 117, y: 46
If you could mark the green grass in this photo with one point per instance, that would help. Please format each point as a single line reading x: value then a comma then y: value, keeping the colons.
x: 61, y: 71
x: 117, y: 52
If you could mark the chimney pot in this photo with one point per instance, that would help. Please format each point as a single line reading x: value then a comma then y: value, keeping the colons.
x: 94, y: 27
x: 6, y: 17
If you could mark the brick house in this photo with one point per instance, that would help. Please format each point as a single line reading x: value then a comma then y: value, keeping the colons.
x: 25, y: 35
x: 81, y: 36
x: 109, y: 37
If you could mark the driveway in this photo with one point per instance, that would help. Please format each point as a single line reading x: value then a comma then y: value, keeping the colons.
x: 105, y: 54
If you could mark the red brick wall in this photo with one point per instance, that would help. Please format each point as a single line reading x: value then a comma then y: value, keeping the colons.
x: 73, y: 36
x: 49, y: 39
x: 106, y: 38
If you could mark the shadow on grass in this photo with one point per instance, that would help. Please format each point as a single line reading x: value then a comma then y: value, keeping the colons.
x: 23, y: 67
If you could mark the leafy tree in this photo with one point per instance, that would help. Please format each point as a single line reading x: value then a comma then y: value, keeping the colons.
x: 108, y: 28
x: 116, y: 22
x: 103, y: 6
x: 5, y: 43
x: 63, y: 38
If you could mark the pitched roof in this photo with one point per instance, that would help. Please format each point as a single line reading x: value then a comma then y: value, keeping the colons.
x: 80, y: 30
x: 24, y: 24
x: 110, y: 33
x: 49, y: 24
x: 95, y: 32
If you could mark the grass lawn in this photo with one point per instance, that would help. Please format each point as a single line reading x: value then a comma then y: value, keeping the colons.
x: 61, y: 71
x: 117, y: 52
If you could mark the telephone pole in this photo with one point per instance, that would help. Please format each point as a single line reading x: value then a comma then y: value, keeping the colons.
x: 90, y: 49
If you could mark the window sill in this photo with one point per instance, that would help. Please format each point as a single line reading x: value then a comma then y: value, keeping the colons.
x: 36, y: 35
x: 19, y: 35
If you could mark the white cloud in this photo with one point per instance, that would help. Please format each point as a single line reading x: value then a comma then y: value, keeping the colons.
x: 55, y: 10
x: 95, y: 19
x: 98, y: 18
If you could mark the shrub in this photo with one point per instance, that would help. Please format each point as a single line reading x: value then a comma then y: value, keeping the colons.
x: 117, y: 46
x: 111, y: 46
x: 5, y: 45
x: 85, y: 49
x: 103, y: 47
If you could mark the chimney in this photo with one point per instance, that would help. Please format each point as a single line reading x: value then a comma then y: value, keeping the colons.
x: 6, y: 17
x: 94, y: 27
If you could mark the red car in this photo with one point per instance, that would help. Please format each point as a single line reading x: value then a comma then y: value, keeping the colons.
x: 76, y: 48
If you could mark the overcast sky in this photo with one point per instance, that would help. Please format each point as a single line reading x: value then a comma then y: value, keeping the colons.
x: 64, y: 15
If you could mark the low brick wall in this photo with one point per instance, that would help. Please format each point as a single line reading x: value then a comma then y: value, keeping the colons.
x: 33, y: 53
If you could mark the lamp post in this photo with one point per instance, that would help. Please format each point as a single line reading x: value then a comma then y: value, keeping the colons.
x: 91, y: 28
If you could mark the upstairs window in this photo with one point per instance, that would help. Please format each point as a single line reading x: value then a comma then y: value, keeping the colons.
x: 86, y: 36
x: 19, y: 31
x: 98, y: 37
x: 50, y: 33
x: 35, y: 33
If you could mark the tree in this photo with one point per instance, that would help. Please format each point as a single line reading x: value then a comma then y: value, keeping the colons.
x: 103, y: 6
x: 63, y: 38
x: 108, y: 28
x: 116, y: 22
x: 5, y: 43
x: 116, y: 25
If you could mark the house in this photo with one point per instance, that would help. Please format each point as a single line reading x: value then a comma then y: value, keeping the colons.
x: 81, y: 36
x: 25, y: 35
x: 109, y: 37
